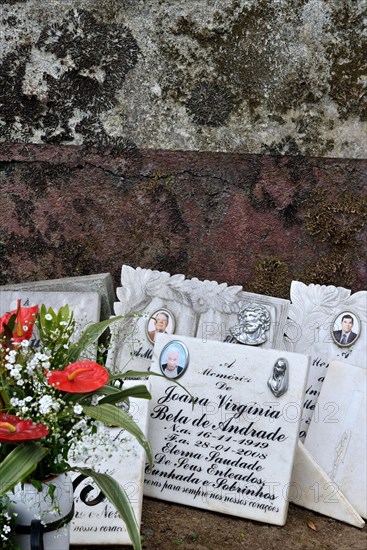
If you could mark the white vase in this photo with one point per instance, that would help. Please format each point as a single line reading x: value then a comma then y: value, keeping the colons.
x: 30, y: 504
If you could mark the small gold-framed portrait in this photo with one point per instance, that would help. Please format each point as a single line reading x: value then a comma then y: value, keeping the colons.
x: 162, y: 320
x: 174, y: 359
x: 345, y: 329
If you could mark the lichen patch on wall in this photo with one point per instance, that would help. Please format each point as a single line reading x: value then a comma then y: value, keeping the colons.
x: 283, y: 77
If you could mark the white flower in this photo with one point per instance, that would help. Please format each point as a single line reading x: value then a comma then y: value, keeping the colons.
x: 25, y: 343
x: 46, y: 404
x: 78, y: 409
x: 11, y: 357
x: 95, y: 399
x: 48, y: 317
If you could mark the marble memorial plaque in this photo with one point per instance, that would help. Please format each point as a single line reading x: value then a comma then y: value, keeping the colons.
x: 317, y: 317
x: 313, y: 489
x: 175, y: 305
x: 338, y: 441
x: 96, y: 520
x: 101, y: 283
x: 233, y: 452
x: 85, y: 305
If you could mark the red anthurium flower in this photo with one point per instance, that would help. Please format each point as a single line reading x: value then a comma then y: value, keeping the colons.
x: 24, y: 322
x: 13, y: 429
x: 80, y: 377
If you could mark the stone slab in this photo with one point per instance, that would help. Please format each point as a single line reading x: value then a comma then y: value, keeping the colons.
x: 97, y: 522
x: 199, y: 213
x: 180, y: 79
x: 312, y: 488
x: 85, y: 305
x: 101, y: 283
x: 337, y: 437
x: 233, y: 452
x: 314, y: 317
x: 205, y: 309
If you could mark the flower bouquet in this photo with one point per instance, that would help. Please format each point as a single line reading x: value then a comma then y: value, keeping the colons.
x: 50, y: 399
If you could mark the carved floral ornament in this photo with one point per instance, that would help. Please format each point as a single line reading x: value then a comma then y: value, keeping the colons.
x: 141, y: 285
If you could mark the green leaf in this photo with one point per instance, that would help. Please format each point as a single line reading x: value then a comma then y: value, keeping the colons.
x: 139, y: 374
x: 114, y: 416
x: 118, y: 497
x: 89, y: 336
x: 19, y: 464
x: 79, y: 397
x: 140, y: 392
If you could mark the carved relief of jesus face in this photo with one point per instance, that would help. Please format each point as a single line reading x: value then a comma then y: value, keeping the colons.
x: 252, y: 321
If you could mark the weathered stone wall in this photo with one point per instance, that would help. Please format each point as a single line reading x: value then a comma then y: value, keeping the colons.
x: 95, y: 97
x: 253, y: 76
x: 255, y: 220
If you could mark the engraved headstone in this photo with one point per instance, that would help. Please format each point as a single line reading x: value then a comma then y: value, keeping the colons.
x: 176, y: 305
x: 96, y: 520
x: 101, y: 283
x: 85, y: 305
x: 318, y: 317
x: 337, y: 437
x: 233, y: 452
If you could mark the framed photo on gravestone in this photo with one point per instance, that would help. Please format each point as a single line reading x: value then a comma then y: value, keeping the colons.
x: 330, y: 324
x: 233, y: 451
x: 176, y: 305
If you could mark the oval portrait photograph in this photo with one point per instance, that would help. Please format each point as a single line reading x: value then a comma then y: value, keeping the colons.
x: 174, y: 359
x: 345, y: 328
x: 162, y: 320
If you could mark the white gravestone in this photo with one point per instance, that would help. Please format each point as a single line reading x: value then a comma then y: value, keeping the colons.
x: 340, y: 444
x: 204, y: 309
x: 313, y: 489
x: 233, y: 452
x: 96, y: 520
x: 315, y: 317
x: 101, y: 283
x: 85, y: 305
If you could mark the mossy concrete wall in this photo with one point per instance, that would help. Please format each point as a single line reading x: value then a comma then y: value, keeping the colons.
x: 252, y: 76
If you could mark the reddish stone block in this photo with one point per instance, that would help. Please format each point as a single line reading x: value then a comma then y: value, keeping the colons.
x: 245, y: 219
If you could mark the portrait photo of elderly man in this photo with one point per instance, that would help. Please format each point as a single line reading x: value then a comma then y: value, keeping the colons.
x: 161, y: 321
x: 345, y: 336
x: 253, y: 324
